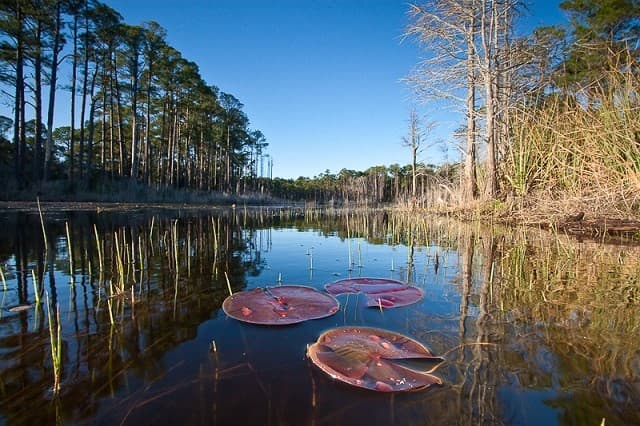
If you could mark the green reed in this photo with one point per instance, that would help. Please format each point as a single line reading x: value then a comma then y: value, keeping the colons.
x: 55, y: 340
x: 228, y: 283
x: 70, y: 249
x: 36, y: 290
x: 4, y: 281
x: 44, y: 232
x: 99, y: 247
x: 118, y: 262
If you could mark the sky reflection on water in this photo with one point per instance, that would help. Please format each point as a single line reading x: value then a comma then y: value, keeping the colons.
x: 520, y: 317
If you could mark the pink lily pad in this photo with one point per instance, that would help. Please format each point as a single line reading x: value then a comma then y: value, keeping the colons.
x: 287, y: 304
x: 379, y: 292
x: 374, y: 359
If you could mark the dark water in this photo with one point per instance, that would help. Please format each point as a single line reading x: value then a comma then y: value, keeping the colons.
x: 535, y: 328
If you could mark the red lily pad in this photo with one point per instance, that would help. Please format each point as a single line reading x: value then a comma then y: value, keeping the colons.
x: 379, y: 292
x: 287, y: 304
x: 374, y: 359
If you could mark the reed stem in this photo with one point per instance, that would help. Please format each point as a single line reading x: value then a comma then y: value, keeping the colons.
x: 4, y: 281
x: 119, y: 264
x: 70, y: 249
x: 99, y: 247
x: 36, y: 291
x: 44, y: 233
x: 175, y: 245
x: 55, y: 339
x: 228, y: 283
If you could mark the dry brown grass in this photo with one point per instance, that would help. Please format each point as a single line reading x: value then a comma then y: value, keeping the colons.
x: 579, y: 153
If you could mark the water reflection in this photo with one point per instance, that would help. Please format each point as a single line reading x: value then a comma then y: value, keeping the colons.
x: 534, y: 326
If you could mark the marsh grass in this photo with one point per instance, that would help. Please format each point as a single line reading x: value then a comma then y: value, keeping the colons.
x: 580, y: 154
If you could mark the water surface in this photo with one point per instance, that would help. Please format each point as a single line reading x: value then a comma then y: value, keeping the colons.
x: 536, y: 328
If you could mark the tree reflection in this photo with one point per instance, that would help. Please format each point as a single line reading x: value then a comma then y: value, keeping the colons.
x: 526, y: 319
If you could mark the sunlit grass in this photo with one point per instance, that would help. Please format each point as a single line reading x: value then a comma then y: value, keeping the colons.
x: 577, y: 156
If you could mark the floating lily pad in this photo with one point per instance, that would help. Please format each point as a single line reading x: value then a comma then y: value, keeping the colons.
x: 379, y: 292
x: 287, y: 304
x: 374, y: 359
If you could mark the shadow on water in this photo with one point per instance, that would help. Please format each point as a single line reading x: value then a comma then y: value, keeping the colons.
x: 535, y: 327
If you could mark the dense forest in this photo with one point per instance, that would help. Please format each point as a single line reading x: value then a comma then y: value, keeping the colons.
x: 550, y: 115
x: 145, y: 114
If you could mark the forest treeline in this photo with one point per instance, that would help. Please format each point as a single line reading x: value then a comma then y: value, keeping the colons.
x: 550, y: 115
x: 138, y: 111
x: 375, y: 186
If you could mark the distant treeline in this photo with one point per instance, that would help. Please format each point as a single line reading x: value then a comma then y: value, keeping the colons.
x: 138, y: 111
x: 372, y: 187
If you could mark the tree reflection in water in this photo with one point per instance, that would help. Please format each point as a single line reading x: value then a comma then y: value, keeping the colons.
x: 535, y: 326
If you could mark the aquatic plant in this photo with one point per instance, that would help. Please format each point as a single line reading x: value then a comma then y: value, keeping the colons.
x: 379, y: 292
x: 4, y: 281
x: 282, y: 305
x: 55, y: 339
x: 374, y: 359
x: 36, y: 290
x: 44, y: 232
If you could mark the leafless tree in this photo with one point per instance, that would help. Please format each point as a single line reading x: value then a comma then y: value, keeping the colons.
x: 469, y: 49
x: 447, y: 29
x: 415, y: 142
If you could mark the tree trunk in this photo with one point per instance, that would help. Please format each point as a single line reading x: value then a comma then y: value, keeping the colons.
x: 74, y: 69
x: 470, y: 185
x: 112, y: 116
x: 56, y: 48
x: 92, y: 110
x: 147, y: 128
x: 134, y: 121
x: 122, y: 152
x: 85, y: 82
x: 37, y: 93
x: 103, y: 124
x: 18, y: 122
x: 488, y: 21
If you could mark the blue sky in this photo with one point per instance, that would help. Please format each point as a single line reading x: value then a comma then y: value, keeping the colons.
x: 320, y: 78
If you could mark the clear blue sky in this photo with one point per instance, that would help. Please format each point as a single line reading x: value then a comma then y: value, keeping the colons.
x: 320, y: 78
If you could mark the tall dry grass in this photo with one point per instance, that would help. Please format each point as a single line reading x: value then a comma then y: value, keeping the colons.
x: 580, y: 152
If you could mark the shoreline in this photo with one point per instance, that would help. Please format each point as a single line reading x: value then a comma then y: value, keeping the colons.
x: 577, y: 225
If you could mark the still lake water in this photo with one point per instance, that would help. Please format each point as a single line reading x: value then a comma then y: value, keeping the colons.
x: 535, y: 328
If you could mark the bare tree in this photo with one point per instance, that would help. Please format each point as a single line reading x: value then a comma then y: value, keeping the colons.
x: 415, y: 142
x: 447, y: 29
x: 496, y: 65
x: 469, y: 48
